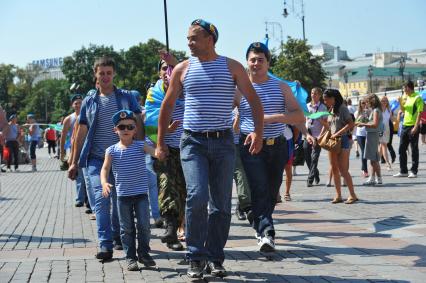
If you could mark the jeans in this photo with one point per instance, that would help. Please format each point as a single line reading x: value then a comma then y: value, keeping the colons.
x: 361, y: 143
x: 312, y: 154
x: 243, y: 189
x: 208, y: 166
x: 408, y: 139
x: 107, y: 222
x: 389, y: 145
x: 129, y: 208
x: 80, y: 186
x: 265, y: 174
x: 152, y: 187
x: 89, y: 191
x: 33, y: 146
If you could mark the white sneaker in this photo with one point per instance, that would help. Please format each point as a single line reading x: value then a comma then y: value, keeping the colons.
x: 412, y: 175
x: 399, y: 175
x: 379, y: 181
x: 369, y: 182
x: 267, y: 245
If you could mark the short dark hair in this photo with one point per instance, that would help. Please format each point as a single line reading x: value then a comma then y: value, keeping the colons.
x: 104, y: 61
x: 409, y: 84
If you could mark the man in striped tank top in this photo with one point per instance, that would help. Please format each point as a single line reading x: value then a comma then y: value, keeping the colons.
x: 94, y: 136
x: 207, y: 150
x: 67, y: 129
x: 265, y: 170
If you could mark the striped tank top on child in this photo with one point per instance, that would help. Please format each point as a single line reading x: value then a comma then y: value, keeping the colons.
x: 272, y: 99
x: 209, y: 93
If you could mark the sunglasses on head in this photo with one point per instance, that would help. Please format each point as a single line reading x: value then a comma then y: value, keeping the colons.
x: 128, y: 127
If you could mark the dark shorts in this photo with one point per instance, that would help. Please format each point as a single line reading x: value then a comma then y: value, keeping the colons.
x: 346, y: 142
x: 423, y: 129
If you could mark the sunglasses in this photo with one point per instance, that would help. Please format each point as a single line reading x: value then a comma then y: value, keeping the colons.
x: 129, y: 127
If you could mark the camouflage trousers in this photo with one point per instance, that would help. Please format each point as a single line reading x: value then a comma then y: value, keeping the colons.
x: 171, y: 185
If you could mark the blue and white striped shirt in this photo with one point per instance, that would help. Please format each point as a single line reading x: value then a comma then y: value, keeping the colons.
x: 173, y: 139
x: 104, y: 134
x: 209, y: 94
x: 272, y: 99
x: 129, y: 169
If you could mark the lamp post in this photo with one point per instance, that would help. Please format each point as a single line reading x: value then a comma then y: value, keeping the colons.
x: 275, y: 24
x: 402, y: 67
x: 330, y: 80
x: 345, y: 77
x: 300, y: 15
x: 370, y: 76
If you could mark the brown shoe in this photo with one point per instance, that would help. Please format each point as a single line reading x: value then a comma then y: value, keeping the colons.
x: 351, y: 200
x: 336, y: 200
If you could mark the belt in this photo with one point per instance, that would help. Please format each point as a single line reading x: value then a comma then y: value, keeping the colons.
x: 269, y: 141
x: 209, y: 135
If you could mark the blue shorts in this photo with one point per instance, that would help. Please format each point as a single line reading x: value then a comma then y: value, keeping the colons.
x: 346, y: 142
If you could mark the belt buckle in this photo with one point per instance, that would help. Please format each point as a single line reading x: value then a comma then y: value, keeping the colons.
x: 270, y: 141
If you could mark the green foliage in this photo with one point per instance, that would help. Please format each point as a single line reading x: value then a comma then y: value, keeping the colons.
x: 296, y: 62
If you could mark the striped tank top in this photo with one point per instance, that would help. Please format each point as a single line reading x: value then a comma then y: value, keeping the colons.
x: 209, y: 94
x: 129, y: 169
x: 272, y: 99
x: 173, y: 139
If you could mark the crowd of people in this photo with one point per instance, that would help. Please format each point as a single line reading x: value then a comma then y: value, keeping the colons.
x: 218, y: 122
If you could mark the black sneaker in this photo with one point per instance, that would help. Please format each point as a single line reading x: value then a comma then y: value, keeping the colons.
x: 240, y: 214
x: 267, y: 244
x: 159, y: 223
x: 147, y: 260
x: 249, y: 216
x: 132, y: 265
x: 308, y: 183
x: 88, y: 211
x: 196, y: 268
x: 216, y: 269
x: 104, y: 255
x: 118, y: 245
x: 78, y: 204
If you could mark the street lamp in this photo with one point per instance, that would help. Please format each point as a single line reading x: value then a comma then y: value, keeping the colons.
x: 300, y: 15
x: 330, y: 80
x: 345, y: 77
x: 370, y: 76
x: 402, y: 67
x: 275, y: 24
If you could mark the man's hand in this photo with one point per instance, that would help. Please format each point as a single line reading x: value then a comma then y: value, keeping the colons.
x: 311, y: 140
x: 161, y: 151
x: 255, y: 142
x: 106, y: 189
x: 414, y: 130
x: 72, y: 171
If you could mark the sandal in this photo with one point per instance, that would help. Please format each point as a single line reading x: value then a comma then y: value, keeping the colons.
x: 336, y: 200
x: 351, y: 200
x: 287, y: 197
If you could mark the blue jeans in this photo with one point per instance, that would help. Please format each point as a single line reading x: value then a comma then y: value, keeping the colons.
x: 152, y: 187
x: 265, y: 174
x: 107, y: 222
x: 361, y: 143
x: 129, y: 208
x: 80, y: 187
x: 208, y: 166
x: 89, y: 191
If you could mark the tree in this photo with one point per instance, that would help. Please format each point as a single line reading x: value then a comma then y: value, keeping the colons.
x: 78, y: 68
x: 6, y: 82
x: 296, y: 62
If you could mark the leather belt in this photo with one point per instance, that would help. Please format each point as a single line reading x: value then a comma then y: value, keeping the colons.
x: 210, y: 134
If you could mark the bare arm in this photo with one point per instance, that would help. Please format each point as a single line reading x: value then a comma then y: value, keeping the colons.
x: 65, y: 129
x: 106, y: 168
x: 294, y: 114
x: 173, y: 92
x: 140, y: 130
x: 149, y: 149
x: 246, y: 88
x: 78, y: 143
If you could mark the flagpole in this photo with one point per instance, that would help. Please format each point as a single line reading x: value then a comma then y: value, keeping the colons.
x: 167, y: 29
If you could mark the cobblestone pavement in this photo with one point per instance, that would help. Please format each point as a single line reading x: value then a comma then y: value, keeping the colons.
x: 44, y: 238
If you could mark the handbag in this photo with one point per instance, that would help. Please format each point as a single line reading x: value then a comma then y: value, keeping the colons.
x: 326, y: 142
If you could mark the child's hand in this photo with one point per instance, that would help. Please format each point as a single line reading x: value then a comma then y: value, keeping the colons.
x: 106, y: 189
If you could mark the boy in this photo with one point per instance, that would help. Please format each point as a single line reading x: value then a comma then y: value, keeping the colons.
x: 127, y: 159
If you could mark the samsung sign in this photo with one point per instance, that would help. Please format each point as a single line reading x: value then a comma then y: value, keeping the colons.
x: 49, y: 63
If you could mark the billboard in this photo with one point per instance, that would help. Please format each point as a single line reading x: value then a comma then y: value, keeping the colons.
x: 49, y: 63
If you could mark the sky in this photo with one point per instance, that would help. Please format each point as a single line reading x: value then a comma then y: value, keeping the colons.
x: 32, y: 30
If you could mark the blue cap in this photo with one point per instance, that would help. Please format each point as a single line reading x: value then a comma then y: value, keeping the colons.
x: 75, y: 97
x: 123, y: 115
x: 12, y: 116
x: 260, y: 48
x: 136, y: 94
x: 208, y: 27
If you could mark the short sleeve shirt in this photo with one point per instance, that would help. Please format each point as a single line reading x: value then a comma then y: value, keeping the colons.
x: 413, y: 106
x: 340, y: 120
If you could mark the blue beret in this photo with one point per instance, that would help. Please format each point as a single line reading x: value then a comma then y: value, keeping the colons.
x: 12, y: 116
x: 259, y: 47
x: 123, y: 115
x: 75, y: 97
x: 208, y: 27
x: 136, y: 94
x: 30, y: 115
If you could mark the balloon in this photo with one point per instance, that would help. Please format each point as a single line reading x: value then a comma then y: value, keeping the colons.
x: 394, y: 104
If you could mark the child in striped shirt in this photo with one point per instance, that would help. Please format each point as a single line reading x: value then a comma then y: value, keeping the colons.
x: 127, y: 160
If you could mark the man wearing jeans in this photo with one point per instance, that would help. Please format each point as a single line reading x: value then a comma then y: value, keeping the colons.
x: 411, y: 105
x: 95, y: 130
x: 207, y: 150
